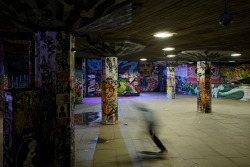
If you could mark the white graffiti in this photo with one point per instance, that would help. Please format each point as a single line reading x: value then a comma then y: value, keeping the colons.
x: 243, y: 89
x: 215, y: 91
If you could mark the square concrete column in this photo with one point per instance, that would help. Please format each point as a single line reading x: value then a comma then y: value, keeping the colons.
x: 204, y: 86
x: 56, y: 79
x: 171, y: 82
x: 109, y: 90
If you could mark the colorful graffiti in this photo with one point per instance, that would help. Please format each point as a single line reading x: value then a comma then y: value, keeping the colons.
x: 149, y: 79
x: 192, y: 73
x: 109, y: 90
x: 227, y: 74
x: 128, y: 84
x: 242, y: 72
x: 79, y: 88
x: 129, y: 78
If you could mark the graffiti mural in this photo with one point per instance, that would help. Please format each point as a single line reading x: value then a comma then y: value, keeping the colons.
x: 93, y: 65
x: 109, y: 90
x: 229, y: 91
x: 242, y: 72
x: 227, y: 74
x: 22, y: 128
x: 181, y: 71
x: 79, y: 88
x: 204, y: 86
x: 192, y: 73
x: 127, y: 67
x: 149, y: 76
x: 129, y: 78
x: 128, y: 84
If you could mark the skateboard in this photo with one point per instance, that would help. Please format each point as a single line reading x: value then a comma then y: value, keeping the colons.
x: 152, y: 153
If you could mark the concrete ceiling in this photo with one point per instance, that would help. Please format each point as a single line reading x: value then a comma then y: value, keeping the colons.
x: 94, y: 22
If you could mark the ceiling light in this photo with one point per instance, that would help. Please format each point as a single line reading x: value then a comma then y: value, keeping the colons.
x: 143, y: 59
x: 236, y: 54
x: 232, y: 61
x: 190, y: 62
x: 168, y: 49
x: 163, y: 35
x: 171, y: 55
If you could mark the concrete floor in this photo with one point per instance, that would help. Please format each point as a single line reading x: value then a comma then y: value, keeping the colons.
x: 218, y: 139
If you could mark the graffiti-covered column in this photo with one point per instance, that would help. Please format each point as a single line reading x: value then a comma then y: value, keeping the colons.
x: 204, y: 86
x: 109, y: 90
x: 79, y: 85
x: 56, y: 78
x: 1, y: 77
x: 171, y: 82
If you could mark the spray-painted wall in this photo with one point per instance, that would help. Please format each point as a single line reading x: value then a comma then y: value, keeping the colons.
x: 22, y: 129
x: 93, y: 77
x: 192, y: 73
x: 79, y: 80
x: 128, y: 78
x: 185, y: 83
x: 153, y: 76
x: 234, y: 73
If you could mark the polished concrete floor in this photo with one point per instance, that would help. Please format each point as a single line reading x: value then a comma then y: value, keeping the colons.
x: 218, y: 139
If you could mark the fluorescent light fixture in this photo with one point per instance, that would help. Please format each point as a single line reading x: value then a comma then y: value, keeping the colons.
x: 168, y: 49
x: 143, y: 59
x: 190, y: 62
x: 232, y: 61
x: 235, y: 54
x: 163, y: 35
x: 171, y: 55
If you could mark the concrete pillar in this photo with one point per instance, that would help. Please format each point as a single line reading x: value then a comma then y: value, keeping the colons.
x: 204, y: 86
x: 32, y: 63
x: 56, y: 78
x: 109, y: 90
x: 79, y: 80
x: 171, y: 82
x: 1, y: 77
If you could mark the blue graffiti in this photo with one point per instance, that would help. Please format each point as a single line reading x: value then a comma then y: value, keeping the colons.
x: 127, y: 66
x: 93, y: 65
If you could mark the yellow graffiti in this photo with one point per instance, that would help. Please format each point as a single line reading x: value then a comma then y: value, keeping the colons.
x: 241, y: 73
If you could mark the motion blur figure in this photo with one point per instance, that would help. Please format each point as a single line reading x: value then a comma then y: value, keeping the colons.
x: 151, y: 123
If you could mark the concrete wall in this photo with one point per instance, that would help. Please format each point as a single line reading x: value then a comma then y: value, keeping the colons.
x: 186, y: 83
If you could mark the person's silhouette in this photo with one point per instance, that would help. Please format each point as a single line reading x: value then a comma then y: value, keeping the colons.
x: 151, y: 123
